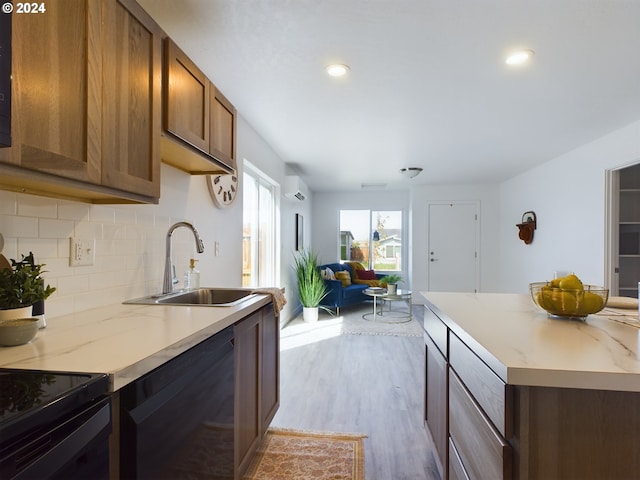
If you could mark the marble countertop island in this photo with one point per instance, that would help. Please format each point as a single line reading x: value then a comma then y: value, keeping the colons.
x: 124, y: 341
x: 524, y: 346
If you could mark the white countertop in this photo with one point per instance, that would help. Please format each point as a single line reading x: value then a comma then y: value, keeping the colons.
x: 525, y: 347
x: 124, y: 341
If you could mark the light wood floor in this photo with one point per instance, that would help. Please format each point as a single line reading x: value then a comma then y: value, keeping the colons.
x: 370, y: 384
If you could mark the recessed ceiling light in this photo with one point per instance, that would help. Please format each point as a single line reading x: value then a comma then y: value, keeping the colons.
x: 338, y: 70
x: 520, y: 57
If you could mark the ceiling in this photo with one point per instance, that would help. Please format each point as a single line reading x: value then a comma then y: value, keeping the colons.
x: 428, y: 85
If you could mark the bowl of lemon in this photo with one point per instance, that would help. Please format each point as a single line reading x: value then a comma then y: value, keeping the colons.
x: 568, y: 297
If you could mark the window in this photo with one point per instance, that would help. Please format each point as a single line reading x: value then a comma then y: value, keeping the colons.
x: 260, y: 235
x: 373, y: 238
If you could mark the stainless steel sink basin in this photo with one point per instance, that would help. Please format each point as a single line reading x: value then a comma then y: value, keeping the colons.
x: 206, y: 297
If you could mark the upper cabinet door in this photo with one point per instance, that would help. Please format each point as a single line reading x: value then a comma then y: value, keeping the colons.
x: 223, y: 128
x: 187, y: 99
x: 57, y: 87
x: 132, y: 109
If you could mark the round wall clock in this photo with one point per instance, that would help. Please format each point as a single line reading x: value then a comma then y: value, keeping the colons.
x: 223, y: 189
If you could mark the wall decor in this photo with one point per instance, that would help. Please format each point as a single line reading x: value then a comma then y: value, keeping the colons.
x: 299, y: 232
x: 526, y: 228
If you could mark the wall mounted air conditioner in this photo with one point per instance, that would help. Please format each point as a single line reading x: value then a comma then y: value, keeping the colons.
x: 295, y: 188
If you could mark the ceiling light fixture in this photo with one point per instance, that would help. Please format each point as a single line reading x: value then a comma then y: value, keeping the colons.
x: 338, y: 70
x: 411, y: 172
x: 520, y: 57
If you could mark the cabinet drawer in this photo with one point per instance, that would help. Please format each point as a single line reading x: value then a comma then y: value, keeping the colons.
x: 482, y: 450
x: 491, y: 393
x: 436, y: 330
x: 436, y: 392
x: 456, y: 469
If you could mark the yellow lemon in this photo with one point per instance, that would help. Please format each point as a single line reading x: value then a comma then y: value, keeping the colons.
x: 591, y: 303
x: 570, y: 282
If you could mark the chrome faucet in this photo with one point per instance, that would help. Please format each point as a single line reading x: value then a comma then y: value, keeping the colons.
x: 169, y: 271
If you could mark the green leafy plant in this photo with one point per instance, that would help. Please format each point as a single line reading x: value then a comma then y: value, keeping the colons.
x: 311, y: 286
x: 22, y: 285
x: 390, y: 279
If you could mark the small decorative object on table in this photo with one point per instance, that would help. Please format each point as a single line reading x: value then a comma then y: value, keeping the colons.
x: 390, y: 282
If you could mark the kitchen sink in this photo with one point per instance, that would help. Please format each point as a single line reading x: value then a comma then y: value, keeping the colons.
x: 208, y: 297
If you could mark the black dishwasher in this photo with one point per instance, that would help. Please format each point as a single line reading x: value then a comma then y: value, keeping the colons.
x: 177, y: 421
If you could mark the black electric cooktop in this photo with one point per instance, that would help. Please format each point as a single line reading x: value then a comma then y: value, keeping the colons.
x: 30, y: 400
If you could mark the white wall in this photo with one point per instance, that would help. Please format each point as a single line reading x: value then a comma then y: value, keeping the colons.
x: 487, y: 195
x: 326, y: 217
x: 568, y: 196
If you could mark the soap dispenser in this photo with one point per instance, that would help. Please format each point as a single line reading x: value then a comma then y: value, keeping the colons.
x: 192, y: 277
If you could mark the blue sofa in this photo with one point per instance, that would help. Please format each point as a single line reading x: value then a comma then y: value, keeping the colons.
x: 340, y: 296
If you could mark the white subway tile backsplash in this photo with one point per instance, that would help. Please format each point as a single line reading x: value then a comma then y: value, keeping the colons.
x: 88, y: 230
x: 73, y: 211
x: 8, y: 203
x: 72, y: 285
x: 32, y: 206
x: 125, y: 216
x: 130, y: 248
x: 49, y: 228
x: 125, y: 247
x: 103, y: 214
x: 45, y: 247
x: 111, y: 232
x: 14, y: 226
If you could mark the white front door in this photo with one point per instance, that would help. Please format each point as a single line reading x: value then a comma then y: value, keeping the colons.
x: 453, y: 234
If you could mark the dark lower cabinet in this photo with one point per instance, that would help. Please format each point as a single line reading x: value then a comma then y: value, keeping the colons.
x: 247, y: 425
x: 204, y: 413
x: 257, y: 344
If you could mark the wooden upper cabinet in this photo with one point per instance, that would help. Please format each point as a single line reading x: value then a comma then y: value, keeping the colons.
x: 198, y: 119
x: 223, y: 128
x: 187, y: 107
x: 132, y: 102
x: 86, y: 103
x: 57, y: 85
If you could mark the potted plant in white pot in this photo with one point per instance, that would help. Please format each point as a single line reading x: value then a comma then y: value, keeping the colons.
x: 21, y: 286
x: 390, y: 282
x: 311, y: 286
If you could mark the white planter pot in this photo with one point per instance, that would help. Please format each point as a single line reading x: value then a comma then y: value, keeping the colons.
x: 391, y: 288
x: 13, y: 313
x: 310, y: 314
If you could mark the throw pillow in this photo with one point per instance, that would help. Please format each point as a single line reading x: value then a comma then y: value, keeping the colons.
x: 344, y: 277
x: 327, y: 274
x: 366, y: 274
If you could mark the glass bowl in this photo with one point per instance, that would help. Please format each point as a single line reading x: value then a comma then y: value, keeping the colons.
x: 568, y: 303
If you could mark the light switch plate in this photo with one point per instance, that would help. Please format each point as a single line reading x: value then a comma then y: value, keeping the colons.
x: 82, y: 252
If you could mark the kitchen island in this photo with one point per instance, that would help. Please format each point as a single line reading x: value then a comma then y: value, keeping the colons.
x: 512, y: 393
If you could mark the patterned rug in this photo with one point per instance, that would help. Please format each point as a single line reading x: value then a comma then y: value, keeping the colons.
x: 299, y: 455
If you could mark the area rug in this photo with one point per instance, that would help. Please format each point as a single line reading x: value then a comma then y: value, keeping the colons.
x: 300, y: 455
x: 350, y: 322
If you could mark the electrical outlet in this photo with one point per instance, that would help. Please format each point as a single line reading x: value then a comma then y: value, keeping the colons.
x: 82, y: 252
